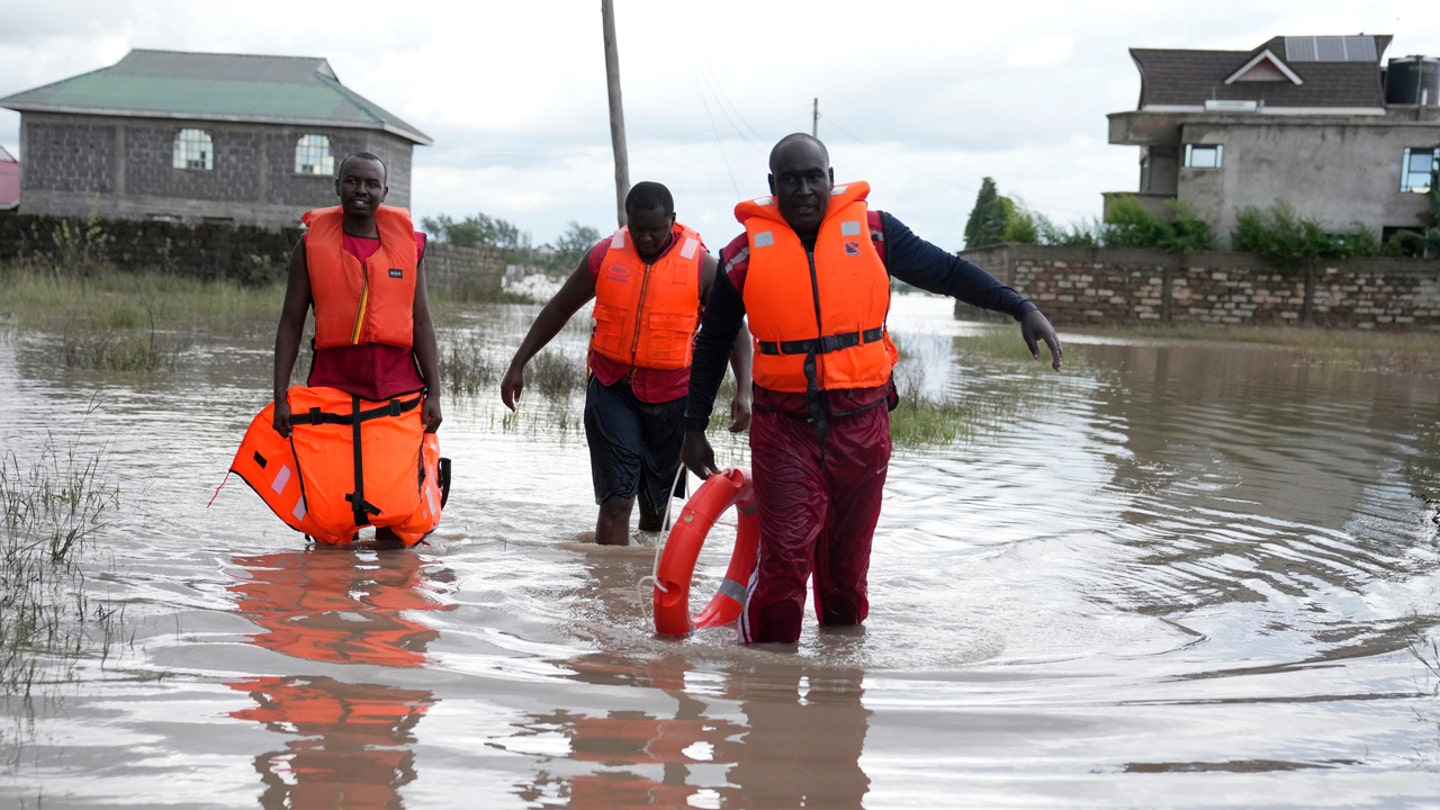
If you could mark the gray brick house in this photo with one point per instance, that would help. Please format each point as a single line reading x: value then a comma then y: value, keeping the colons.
x: 200, y: 137
x: 1315, y: 121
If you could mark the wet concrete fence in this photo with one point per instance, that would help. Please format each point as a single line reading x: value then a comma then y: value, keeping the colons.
x: 1117, y: 286
x: 242, y: 253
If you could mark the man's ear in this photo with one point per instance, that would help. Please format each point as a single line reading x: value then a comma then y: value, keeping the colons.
x: 769, y: 178
x: 831, y: 172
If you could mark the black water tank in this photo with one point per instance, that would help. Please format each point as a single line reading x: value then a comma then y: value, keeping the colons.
x: 1413, y: 80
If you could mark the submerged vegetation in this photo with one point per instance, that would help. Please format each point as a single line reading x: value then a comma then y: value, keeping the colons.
x: 52, y: 506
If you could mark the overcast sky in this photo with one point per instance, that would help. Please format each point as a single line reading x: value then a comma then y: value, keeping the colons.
x: 922, y: 98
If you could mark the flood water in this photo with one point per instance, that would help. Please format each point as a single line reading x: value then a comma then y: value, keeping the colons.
x: 1174, y: 575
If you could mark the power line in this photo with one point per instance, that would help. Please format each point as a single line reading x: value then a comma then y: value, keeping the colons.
x: 967, y: 189
x: 718, y: 141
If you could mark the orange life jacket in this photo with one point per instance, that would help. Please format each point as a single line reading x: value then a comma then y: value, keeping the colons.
x: 348, y: 463
x: 825, y: 309
x: 373, y: 303
x: 646, y: 315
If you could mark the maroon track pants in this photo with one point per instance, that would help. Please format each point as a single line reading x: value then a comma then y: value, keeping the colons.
x: 818, y: 509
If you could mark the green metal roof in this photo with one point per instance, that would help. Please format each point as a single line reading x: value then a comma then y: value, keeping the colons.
x: 215, y: 86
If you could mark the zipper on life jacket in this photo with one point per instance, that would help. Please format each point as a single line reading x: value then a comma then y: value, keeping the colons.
x: 817, y: 403
x: 639, y: 312
x: 361, y: 307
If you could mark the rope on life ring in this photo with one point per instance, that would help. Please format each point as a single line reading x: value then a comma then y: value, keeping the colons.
x: 676, y: 565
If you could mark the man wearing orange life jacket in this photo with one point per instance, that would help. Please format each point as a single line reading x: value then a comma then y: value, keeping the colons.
x: 359, y: 265
x: 812, y: 275
x: 649, y: 281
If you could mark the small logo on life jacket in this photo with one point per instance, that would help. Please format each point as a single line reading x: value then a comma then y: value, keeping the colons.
x: 396, y: 272
x: 617, y: 272
x: 852, y: 248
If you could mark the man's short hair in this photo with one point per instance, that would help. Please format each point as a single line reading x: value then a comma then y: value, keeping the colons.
x: 798, y: 137
x: 384, y: 170
x: 647, y: 195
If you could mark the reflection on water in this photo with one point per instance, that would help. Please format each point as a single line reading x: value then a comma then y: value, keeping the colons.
x: 795, y: 739
x: 1176, y: 575
x: 340, y: 605
x: 350, y: 742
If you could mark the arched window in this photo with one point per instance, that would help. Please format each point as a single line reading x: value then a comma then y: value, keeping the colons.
x: 194, y: 150
x: 313, y: 155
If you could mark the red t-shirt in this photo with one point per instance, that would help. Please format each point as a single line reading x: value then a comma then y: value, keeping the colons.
x: 648, y: 384
x: 371, y: 371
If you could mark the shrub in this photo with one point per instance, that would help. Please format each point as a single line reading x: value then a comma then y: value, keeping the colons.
x: 1280, y: 236
x: 1128, y: 223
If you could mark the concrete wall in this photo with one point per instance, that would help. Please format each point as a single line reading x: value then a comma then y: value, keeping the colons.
x: 216, y: 251
x: 1113, y: 287
x: 122, y: 168
x: 1334, y: 169
x: 1336, y: 174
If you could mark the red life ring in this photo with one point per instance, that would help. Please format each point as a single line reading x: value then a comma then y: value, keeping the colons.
x: 677, y: 561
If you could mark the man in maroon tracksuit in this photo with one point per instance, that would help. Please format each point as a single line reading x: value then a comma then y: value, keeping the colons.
x: 812, y: 273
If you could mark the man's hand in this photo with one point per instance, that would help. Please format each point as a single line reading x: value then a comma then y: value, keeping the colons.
x: 1034, y: 326
x: 282, y: 417
x: 430, y: 415
x: 512, y: 385
x: 696, y: 454
x: 740, y: 411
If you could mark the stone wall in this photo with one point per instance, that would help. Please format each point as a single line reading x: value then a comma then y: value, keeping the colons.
x: 215, y: 251
x: 1110, y: 287
x: 123, y: 168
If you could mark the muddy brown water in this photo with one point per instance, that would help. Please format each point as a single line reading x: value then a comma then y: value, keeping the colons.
x: 1176, y: 575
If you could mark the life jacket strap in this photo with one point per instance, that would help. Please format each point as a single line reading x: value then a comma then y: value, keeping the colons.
x: 394, y: 407
x: 822, y: 345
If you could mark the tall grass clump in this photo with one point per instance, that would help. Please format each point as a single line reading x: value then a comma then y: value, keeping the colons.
x: 920, y: 420
x: 554, y: 375
x: 465, y: 365
x: 52, y: 509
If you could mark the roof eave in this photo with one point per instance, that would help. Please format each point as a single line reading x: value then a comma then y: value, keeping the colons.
x: 418, y: 137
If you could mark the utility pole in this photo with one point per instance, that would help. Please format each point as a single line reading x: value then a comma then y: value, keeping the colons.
x: 617, y: 110
x: 815, y: 120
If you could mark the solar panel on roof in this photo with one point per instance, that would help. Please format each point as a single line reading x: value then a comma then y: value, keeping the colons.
x: 1330, y: 49
x: 1360, y: 49
x: 1300, y: 49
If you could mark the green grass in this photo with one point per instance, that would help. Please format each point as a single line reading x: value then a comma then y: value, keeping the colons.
x: 39, y: 296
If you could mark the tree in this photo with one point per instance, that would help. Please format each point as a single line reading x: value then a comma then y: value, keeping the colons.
x: 986, y: 224
x: 572, y: 245
x: 479, y: 229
